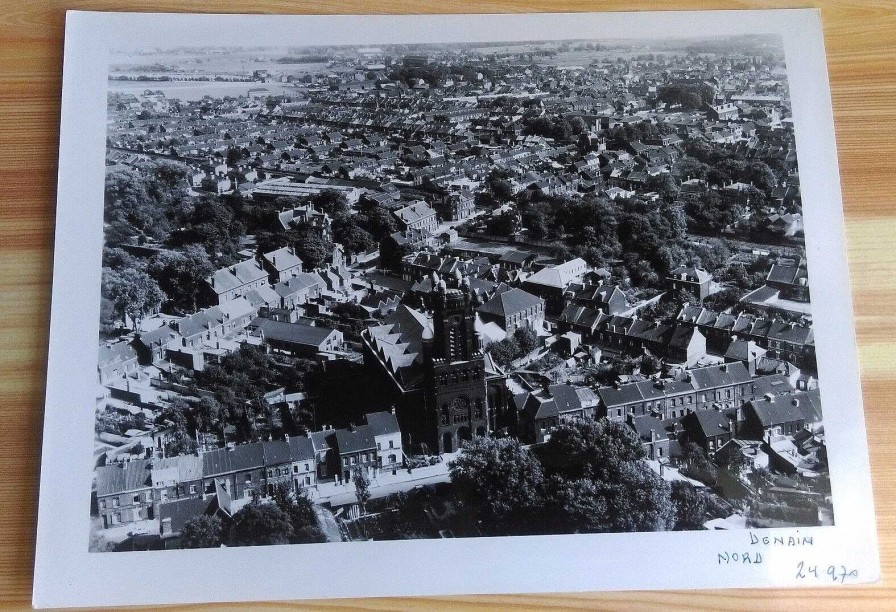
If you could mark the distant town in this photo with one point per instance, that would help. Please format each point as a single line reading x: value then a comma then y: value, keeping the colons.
x: 441, y: 291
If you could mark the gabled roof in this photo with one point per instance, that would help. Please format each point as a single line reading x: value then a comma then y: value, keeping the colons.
x: 355, y: 440
x: 237, y: 275
x: 558, y: 276
x: 131, y: 476
x: 713, y: 422
x: 179, y: 511
x: 294, y: 333
x: 301, y: 449
x: 509, y: 303
x: 283, y: 258
x: 241, y: 457
x: 777, y: 410
x: 117, y: 353
x: 382, y: 423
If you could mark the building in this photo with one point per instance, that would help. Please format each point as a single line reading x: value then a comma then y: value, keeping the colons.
x: 116, y: 361
x: 417, y: 216
x: 514, y: 309
x: 387, y: 435
x: 607, y: 298
x: 551, y: 283
x: 282, y: 264
x: 304, y: 463
x: 295, y: 338
x: 124, y: 493
x: 432, y: 370
x: 726, y: 386
x: 234, y: 282
x: 695, y: 281
x: 458, y: 205
x: 539, y: 413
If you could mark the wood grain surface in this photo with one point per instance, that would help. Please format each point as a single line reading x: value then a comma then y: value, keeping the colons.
x: 860, y: 38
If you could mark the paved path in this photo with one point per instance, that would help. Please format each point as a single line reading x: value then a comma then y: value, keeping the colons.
x: 384, y: 484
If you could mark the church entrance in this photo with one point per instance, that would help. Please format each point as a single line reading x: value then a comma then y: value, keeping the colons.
x: 464, y: 434
x: 447, y: 442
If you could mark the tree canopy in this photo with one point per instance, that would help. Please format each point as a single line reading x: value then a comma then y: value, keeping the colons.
x: 260, y: 524
x: 202, y: 532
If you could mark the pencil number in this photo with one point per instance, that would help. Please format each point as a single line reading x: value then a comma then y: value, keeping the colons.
x: 835, y: 573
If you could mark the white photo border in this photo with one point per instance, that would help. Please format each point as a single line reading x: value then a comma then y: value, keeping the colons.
x: 66, y: 574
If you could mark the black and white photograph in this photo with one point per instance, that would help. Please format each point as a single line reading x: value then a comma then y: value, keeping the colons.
x: 422, y: 290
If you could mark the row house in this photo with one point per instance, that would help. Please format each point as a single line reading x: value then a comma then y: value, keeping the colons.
x: 633, y: 336
x: 782, y: 340
x: 538, y: 414
x: 369, y: 448
x: 282, y: 264
x: 234, y: 281
x: 725, y: 386
x: 124, y: 493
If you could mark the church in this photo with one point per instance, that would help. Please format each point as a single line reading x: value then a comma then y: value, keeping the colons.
x: 431, y: 367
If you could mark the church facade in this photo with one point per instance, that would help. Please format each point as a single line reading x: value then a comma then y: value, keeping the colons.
x: 432, y: 369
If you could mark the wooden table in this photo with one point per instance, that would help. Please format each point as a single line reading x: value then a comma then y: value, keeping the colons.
x: 860, y: 36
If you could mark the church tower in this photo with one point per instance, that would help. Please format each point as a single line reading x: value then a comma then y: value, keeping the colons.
x: 457, y: 399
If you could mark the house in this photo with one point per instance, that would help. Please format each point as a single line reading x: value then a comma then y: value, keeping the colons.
x: 295, y: 338
x: 152, y: 346
x: 282, y: 264
x: 355, y: 451
x: 539, y: 413
x: 417, y: 216
x: 176, y: 478
x: 116, y: 361
x: 387, y: 435
x: 304, y: 462
x: 608, y: 298
x: 551, y: 283
x: 654, y: 435
x: 245, y: 471
x: 234, y: 281
x: 124, y: 493
x: 173, y: 515
x: 711, y: 429
x: 773, y: 416
x: 299, y: 289
x: 458, y: 205
x: 691, y: 279
x: 513, y: 309
x: 516, y: 260
x: 791, y: 279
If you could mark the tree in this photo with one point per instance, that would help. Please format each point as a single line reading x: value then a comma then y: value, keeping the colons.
x: 500, y: 484
x: 362, y: 489
x: 588, y: 449
x: 352, y: 236
x: 212, y: 224
x: 179, y: 442
x: 638, y: 499
x: 260, y: 525
x: 202, y: 532
x: 133, y: 293
x: 310, y: 246
x: 331, y: 202
x: 526, y: 340
x: 301, y: 514
x: 503, y: 351
x: 577, y: 506
x: 181, y: 275
x: 690, y: 506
